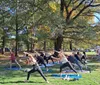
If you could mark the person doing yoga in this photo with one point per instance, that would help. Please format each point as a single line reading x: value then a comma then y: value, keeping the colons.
x: 41, y: 61
x: 65, y: 62
x: 13, y: 60
x: 35, y: 67
x: 73, y: 60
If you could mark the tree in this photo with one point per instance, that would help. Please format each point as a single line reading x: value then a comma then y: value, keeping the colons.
x: 66, y: 19
x: 79, y: 7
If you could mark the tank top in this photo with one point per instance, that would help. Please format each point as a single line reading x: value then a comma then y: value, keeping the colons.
x: 30, y: 60
x: 64, y: 59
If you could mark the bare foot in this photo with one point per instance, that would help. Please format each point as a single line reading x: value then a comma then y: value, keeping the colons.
x: 47, y: 81
x: 26, y: 81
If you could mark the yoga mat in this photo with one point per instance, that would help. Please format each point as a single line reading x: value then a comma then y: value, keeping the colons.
x: 48, y: 65
x: 49, y: 70
x: 72, y: 76
x: 12, y: 68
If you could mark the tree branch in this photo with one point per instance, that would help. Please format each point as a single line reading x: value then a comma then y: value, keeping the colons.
x: 66, y: 6
x: 78, y: 5
x: 80, y: 12
x: 94, y: 5
x: 68, y: 16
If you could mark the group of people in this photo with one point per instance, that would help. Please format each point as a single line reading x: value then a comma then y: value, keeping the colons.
x: 69, y: 60
x: 41, y: 58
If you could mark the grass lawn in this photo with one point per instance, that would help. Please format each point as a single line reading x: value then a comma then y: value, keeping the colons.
x: 10, y: 77
x: 91, y: 53
x: 87, y: 53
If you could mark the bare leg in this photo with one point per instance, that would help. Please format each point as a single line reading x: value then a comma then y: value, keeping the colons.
x: 10, y: 64
x: 18, y: 64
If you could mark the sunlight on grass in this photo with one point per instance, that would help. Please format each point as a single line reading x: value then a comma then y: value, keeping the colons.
x: 91, y: 53
x: 9, y: 77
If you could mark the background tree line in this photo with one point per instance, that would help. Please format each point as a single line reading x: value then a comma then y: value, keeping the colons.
x: 48, y: 24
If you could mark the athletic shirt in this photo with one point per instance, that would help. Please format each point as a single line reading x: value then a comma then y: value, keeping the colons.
x: 64, y: 59
x: 83, y: 56
x: 31, y: 60
x: 12, y: 57
x: 72, y: 59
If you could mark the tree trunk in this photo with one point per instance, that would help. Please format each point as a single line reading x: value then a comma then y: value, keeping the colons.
x: 16, y: 21
x: 58, y: 43
x: 3, y: 44
x: 44, y: 48
x: 27, y: 46
x: 16, y: 49
x: 59, y: 40
x: 31, y: 45
x: 3, y: 37
x: 70, y: 45
x: 27, y: 41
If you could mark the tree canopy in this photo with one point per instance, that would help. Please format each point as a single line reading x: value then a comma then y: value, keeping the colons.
x: 31, y: 21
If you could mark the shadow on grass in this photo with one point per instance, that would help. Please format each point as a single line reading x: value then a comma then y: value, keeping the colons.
x: 55, y: 69
x: 93, y: 67
x: 20, y: 82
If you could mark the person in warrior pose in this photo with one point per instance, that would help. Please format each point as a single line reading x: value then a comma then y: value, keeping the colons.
x: 35, y: 67
x: 64, y: 60
x: 13, y: 60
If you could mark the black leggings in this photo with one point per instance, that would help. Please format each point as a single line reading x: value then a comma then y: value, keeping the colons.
x: 34, y: 69
x: 67, y: 64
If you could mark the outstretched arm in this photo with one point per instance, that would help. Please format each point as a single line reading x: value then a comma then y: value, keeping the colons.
x: 24, y: 58
x: 57, y: 59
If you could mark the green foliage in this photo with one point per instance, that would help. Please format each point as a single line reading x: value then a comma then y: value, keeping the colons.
x: 33, y: 13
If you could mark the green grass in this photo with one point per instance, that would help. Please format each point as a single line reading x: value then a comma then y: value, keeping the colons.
x: 8, y: 77
x: 91, y: 53
x: 87, y: 53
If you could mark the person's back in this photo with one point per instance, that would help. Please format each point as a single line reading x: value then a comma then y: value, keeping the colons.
x: 12, y: 57
x: 55, y: 54
x: 71, y: 59
x: 98, y: 51
x: 77, y: 57
x: 75, y: 60
x: 40, y: 59
x: 83, y: 56
x: 42, y: 54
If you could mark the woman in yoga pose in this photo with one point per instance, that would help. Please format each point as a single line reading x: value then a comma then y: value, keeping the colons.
x: 65, y: 62
x: 35, y: 67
